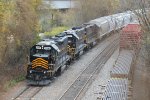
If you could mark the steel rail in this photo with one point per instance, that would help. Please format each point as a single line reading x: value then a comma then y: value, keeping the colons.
x: 30, y: 89
x: 78, y: 85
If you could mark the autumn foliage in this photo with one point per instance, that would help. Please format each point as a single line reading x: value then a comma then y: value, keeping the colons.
x: 19, y: 24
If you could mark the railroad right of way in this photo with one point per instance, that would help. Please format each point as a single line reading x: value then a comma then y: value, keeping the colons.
x: 94, y: 67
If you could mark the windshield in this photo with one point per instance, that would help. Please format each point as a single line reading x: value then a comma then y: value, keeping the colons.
x: 40, y: 50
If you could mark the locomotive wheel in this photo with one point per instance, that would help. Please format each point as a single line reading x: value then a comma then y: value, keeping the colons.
x: 58, y: 72
x: 86, y: 49
x: 92, y: 45
x: 68, y: 62
x: 78, y: 55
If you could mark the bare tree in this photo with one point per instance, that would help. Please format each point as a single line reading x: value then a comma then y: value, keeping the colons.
x: 141, y: 10
x: 87, y: 10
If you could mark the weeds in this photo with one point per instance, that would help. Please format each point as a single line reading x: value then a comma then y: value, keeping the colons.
x: 56, y: 30
x: 13, y: 82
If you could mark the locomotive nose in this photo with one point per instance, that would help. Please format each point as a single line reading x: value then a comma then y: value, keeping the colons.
x: 39, y: 62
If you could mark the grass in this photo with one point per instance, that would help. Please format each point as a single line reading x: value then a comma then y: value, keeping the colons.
x: 56, y: 30
x: 13, y: 82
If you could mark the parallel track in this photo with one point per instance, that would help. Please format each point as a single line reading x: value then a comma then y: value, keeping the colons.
x: 80, y: 83
x: 85, y: 78
x: 28, y: 93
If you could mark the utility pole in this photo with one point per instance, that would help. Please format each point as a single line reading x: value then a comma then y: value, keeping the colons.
x: 70, y: 4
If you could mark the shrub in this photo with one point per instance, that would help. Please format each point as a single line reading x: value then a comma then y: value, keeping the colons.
x: 56, y: 30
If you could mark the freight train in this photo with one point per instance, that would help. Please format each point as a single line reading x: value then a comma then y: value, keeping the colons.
x: 48, y: 56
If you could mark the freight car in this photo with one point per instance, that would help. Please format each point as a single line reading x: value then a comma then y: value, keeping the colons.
x: 48, y: 56
x: 130, y: 37
x: 111, y: 23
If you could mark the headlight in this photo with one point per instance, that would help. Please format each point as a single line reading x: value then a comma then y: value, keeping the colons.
x: 30, y: 71
x: 44, y: 72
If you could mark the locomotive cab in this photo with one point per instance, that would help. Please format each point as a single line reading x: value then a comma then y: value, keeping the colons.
x: 72, y: 38
x: 76, y: 41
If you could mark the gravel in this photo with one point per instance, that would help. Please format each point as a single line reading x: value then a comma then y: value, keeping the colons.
x: 97, y: 88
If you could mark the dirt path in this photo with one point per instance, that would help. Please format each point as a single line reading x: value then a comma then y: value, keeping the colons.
x: 141, y: 81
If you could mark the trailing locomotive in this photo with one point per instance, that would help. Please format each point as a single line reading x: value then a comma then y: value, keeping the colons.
x: 80, y: 39
x: 49, y: 56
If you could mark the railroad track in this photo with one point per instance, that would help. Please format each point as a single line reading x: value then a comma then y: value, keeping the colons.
x: 74, y: 92
x: 80, y: 83
x: 28, y: 93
